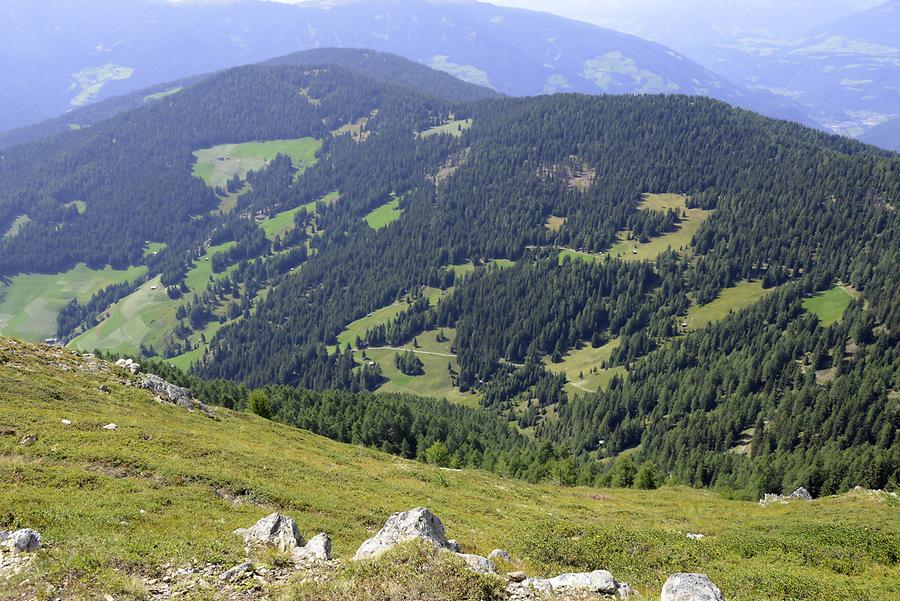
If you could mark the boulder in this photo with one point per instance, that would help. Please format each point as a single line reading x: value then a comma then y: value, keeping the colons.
x: 690, y: 587
x: 318, y: 548
x: 400, y: 527
x: 25, y: 540
x: 170, y: 393
x: 238, y: 572
x: 453, y: 545
x: 110, y: 427
x: 129, y: 364
x: 500, y: 555
x: 274, y: 530
x: 477, y: 563
x: 598, y: 581
x: 694, y: 536
x: 801, y: 494
x: 516, y: 576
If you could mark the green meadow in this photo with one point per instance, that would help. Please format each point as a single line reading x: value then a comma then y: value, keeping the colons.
x: 729, y: 300
x: 829, y: 306
x: 578, y: 363
x: 384, y: 215
x: 239, y: 159
x: 454, y: 128
x: 281, y: 223
x: 29, y: 303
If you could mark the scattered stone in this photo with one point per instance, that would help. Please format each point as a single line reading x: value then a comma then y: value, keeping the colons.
x: 690, y: 587
x: 400, y: 527
x: 567, y: 586
x: 103, y: 388
x: 238, y: 572
x: 694, y: 536
x: 129, y: 364
x: 477, y: 563
x: 25, y: 540
x: 274, y: 530
x: 172, y: 394
x: 500, y: 555
x: 28, y: 439
x: 67, y: 422
x: 453, y: 545
x: 598, y: 581
x: 801, y: 494
x: 318, y: 548
x: 110, y: 427
x: 516, y: 576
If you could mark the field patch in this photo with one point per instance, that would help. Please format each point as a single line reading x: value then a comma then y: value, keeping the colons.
x: 578, y: 255
x: 829, y: 305
x: 163, y: 94
x: 455, y: 128
x: 729, y: 300
x: 436, y: 356
x: 79, y: 205
x: 577, y: 365
x: 282, y: 223
x: 384, y: 215
x: 218, y: 164
x: 146, y: 316
x: 17, y: 225
x: 29, y: 303
x: 679, y: 240
x: 554, y: 223
x: 381, y: 316
x: 468, y: 267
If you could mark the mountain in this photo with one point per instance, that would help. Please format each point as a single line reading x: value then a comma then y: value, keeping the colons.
x: 845, y: 73
x: 661, y: 279
x: 151, y: 504
x: 885, y: 135
x: 382, y: 67
x: 87, y: 51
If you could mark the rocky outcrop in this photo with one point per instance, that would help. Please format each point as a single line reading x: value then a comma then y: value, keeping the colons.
x: 25, y: 540
x: 274, y: 530
x: 580, y: 585
x: 417, y: 523
x: 129, y: 364
x: 690, y: 587
x: 477, y: 563
x: 318, y: 549
x: 238, y: 572
x: 801, y: 494
x: 175, y: 395
x: 500, y: 555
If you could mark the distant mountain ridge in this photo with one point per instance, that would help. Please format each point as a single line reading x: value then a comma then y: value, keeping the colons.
x: 135, y: 44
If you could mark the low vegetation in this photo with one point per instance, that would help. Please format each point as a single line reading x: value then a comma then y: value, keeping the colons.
x: 829, y: 305
x: 384, y: 215
x: 169, y: 486
x: 729, y: 300
x: 217, y: 165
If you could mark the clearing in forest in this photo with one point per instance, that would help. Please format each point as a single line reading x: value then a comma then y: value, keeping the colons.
x: 30, y: 303
x: 468, y: 267
x: 829, y: 305
x: 218, y: 164
x: 146, y: 316
x: 385, y: 214
x: 382, y: 316
x: 16, y: 226
x: 679, y: 240
x: 729, y: 300
x: 436, y: 382
x: 578, y: 363
x: 282, y: 223
x: 455, y: 128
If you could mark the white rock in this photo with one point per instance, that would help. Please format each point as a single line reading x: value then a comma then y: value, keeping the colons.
x: 318, y: 547
x: 110, y: 427
x: 801, y: 493
x: 25, y: 540
x: 477, y: 563
x: 238, y: 572
x: 598, y: 581
x: 67, y: 422
x: 400, y: 527
x: 500, y: 555
x: 694, y: 536
x: 274, y: 530
x: 690, y: 587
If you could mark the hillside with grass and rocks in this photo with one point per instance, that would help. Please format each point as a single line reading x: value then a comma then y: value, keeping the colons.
x: 119, y: 484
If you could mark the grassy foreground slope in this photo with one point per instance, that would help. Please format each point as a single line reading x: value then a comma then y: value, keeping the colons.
x: 170, y: 486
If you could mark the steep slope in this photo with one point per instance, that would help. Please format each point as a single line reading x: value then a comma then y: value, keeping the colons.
x: 138, y: 43
x: 885, y: 135
x: 846, y: 73
x: 152, y: 504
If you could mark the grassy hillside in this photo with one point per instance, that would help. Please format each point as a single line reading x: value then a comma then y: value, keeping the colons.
x: 29, y: 303
x: 218, y: 164
x: 829, y: 306
x: 169, y: 486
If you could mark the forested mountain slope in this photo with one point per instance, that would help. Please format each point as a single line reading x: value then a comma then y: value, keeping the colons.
x: 387, y: 68
x: 322, y: 230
